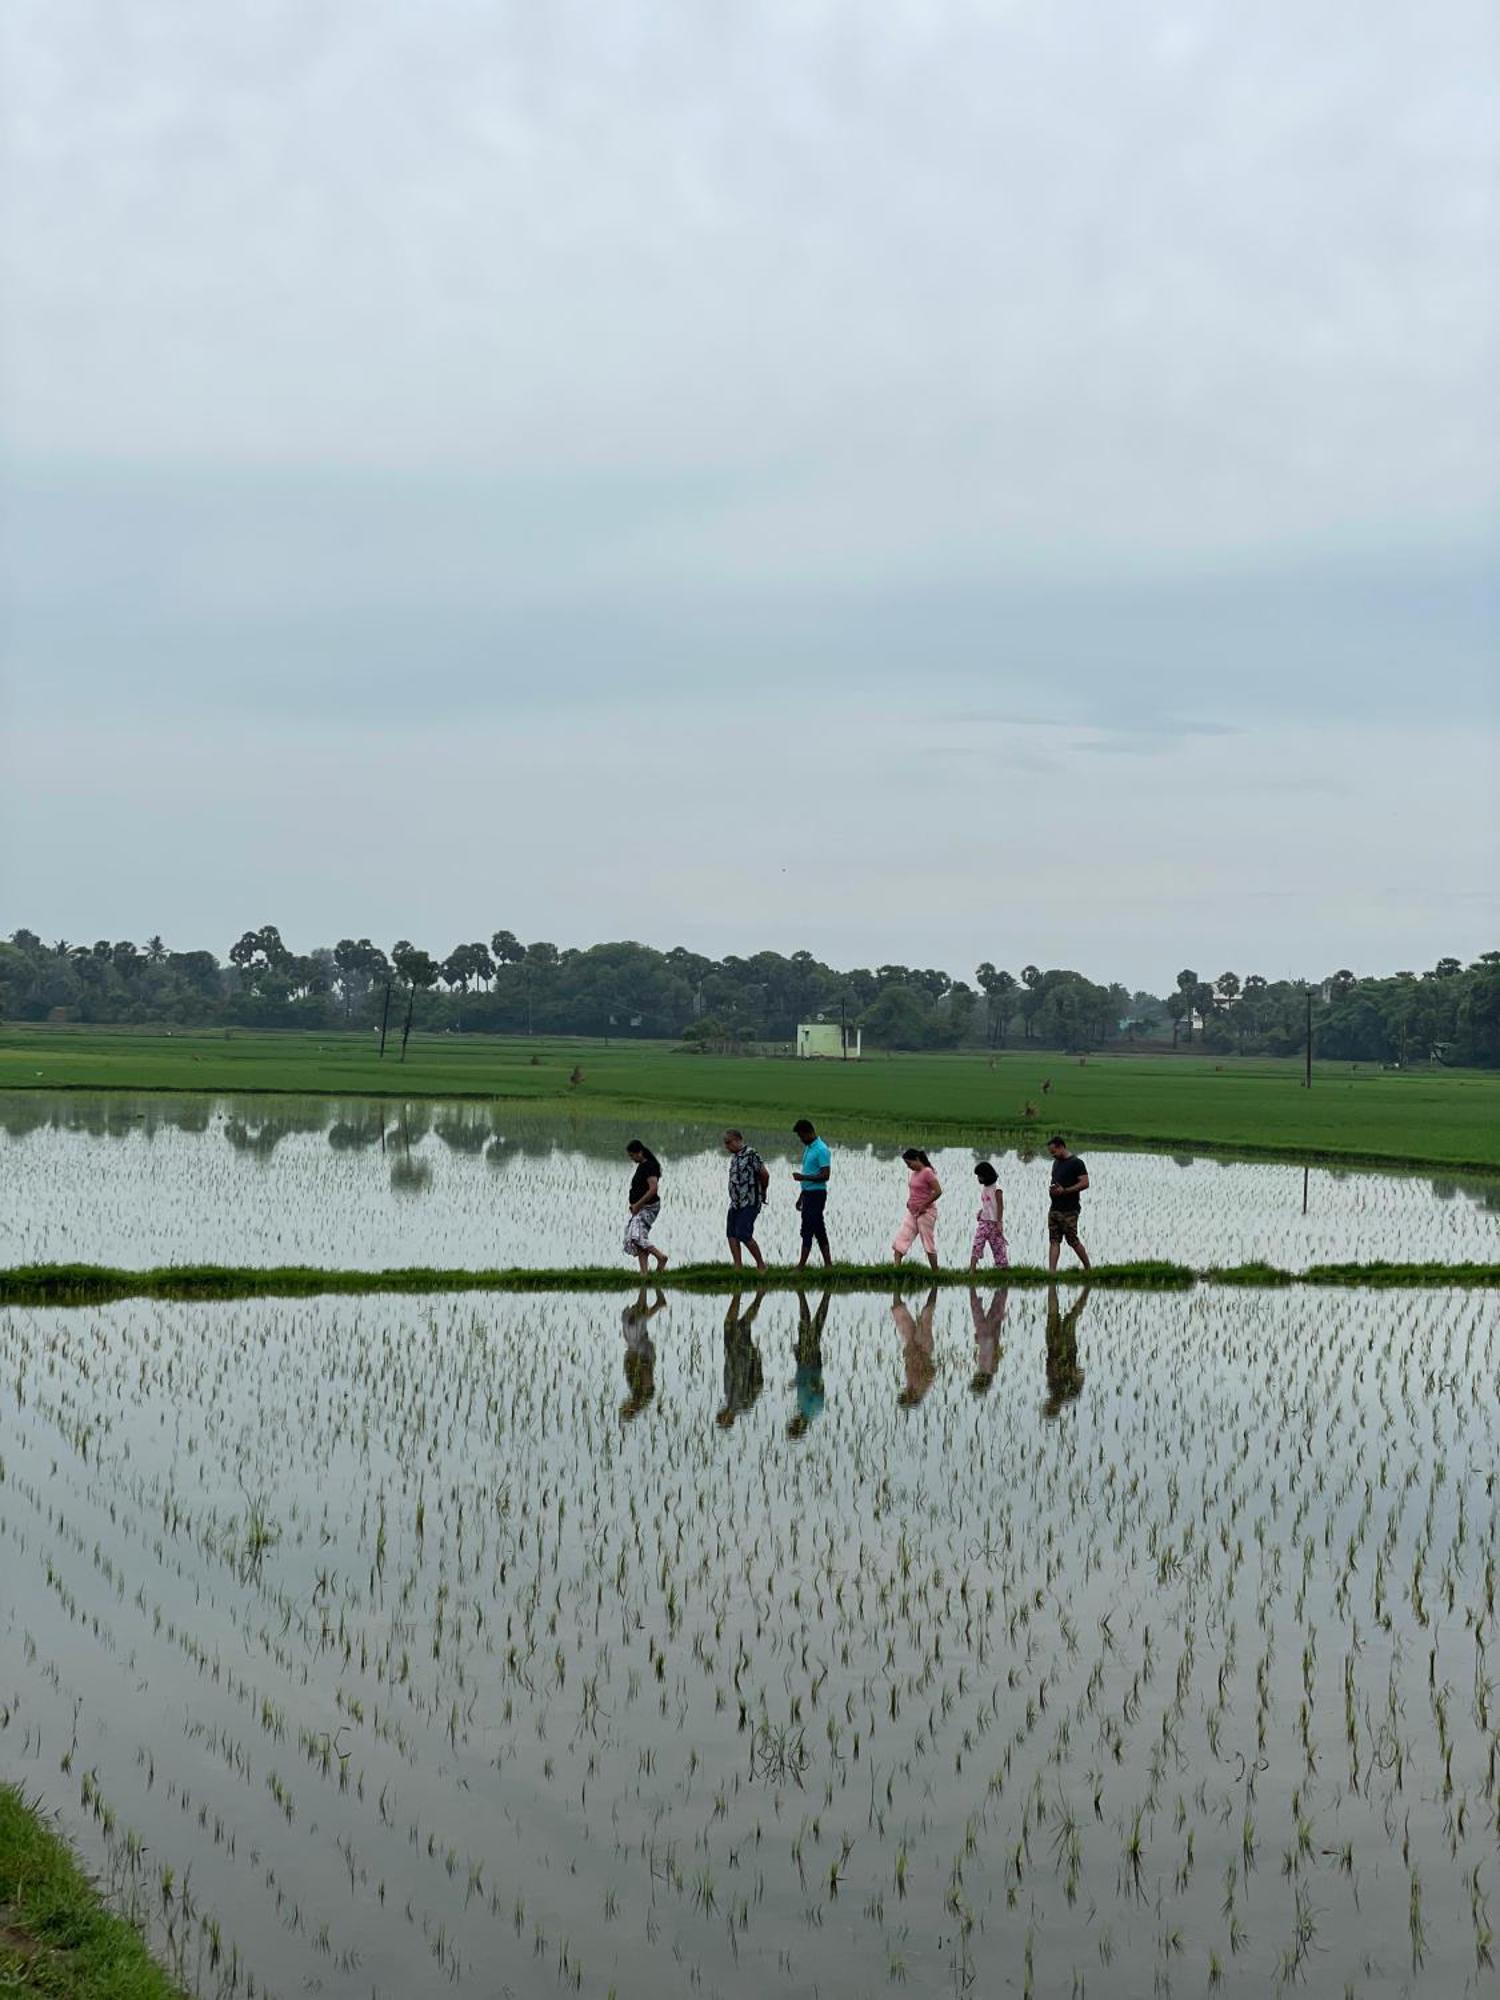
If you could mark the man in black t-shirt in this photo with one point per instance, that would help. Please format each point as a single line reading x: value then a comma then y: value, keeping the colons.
x: 1069, y: 1179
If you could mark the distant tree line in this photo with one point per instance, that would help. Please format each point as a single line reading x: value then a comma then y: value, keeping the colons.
x: 1449, y: 1013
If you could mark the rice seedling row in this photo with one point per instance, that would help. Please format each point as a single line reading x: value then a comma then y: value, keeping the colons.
x: 1087, y: 1641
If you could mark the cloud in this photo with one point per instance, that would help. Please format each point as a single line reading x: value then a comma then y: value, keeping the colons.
x: 925, y: 404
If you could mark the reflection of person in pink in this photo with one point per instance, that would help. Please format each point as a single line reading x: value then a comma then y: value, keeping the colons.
x: 916, y: 1347
x: 987, y: 1326
x: 923, y: 1192
x: 989, y: 1230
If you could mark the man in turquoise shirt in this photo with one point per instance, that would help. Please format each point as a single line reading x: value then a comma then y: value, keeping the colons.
x: 813, y: 1181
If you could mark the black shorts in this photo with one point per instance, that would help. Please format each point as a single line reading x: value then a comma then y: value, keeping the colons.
x: 741, y: 1225
x: 813, y: 1206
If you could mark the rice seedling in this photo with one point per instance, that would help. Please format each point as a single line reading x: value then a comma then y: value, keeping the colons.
x: 386, y: 1645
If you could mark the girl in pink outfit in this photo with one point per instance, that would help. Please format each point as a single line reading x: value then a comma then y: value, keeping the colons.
x: 989, y: 1232
x: 923, y: 1191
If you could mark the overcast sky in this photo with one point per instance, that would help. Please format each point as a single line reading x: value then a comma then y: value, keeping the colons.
x: 928, y: 481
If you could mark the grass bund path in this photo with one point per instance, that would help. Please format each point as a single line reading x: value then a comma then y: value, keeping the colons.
x: 56, y: 1936
x: 1252, y: 1107
x: 98, y: 1284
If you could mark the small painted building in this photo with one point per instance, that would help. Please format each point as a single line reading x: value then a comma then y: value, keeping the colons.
x: 829, y: 1039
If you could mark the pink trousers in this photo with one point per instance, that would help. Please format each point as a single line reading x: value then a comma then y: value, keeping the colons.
x: 990, y: 1236
x: 913, y: 1226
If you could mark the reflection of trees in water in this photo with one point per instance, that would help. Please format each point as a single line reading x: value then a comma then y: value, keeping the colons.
x: 22, y: 1115
x: 345, y: 1136
x: 409, y: 1176
x: 258, y: 1129
x: 117, y: 1115
x: 467, y: 1128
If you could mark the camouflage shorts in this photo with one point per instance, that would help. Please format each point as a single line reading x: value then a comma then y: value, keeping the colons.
x: 1062, y: 1226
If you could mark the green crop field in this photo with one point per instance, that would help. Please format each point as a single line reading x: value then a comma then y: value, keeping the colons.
x: 1253, y: 1106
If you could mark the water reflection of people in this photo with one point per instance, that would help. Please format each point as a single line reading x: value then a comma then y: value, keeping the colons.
x: 1064, y: 1376
x: 987, y: 1327
x: 809, y: 1381
x: 917, y: 1347
x: 744, y: 1376
x: 640, y: 1353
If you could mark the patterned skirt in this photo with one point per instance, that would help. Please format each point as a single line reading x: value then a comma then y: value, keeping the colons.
x: 638, y: 1229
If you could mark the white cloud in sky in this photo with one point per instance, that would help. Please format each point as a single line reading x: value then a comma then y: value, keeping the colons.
x: 501, y: 393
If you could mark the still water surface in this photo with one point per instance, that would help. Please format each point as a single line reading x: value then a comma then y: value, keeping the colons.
x: 1106, y: 1645
x: 134, y: 1181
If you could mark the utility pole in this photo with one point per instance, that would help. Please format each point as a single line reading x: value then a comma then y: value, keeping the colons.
x: 1308, y: 1083
x: 411, y: 1001
x: 843, y: 1032
x: 385, y: 1015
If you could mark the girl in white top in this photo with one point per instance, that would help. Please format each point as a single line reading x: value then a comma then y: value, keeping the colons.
x: 989, y: 1231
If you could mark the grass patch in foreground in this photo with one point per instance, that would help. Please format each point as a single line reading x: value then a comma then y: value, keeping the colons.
x: 96, y: 1284
x: 56, y: 1937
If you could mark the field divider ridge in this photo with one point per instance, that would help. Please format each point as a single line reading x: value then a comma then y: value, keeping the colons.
x: 97, y: 1284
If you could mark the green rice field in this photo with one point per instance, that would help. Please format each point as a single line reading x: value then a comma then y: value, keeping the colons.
x: 398, y: 1599
x: 1088, y: 1642
x: 1253, y: 1106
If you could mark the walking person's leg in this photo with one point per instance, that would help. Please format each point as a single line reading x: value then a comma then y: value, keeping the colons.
x: 905, y: 1236
x: 1076, y: 1246
x: 814, y: 1228
x: 1054, y: 1238
x: 927, y: 1230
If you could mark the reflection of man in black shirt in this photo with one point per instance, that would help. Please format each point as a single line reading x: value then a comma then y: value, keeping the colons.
x: 744, y: 1375
x: 1069, y: 1179
x: 1064, y: 1376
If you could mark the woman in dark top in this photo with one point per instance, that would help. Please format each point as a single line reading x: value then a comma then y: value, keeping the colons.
x: 645, y: 1207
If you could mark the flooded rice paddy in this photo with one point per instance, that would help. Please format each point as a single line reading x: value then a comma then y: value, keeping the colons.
x: 1109, y: 1643
x: 134, y: 1181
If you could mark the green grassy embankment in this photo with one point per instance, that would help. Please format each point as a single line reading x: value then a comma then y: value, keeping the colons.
x: 96, y: 1284
x: 1254, y: 1107
x: 56, y: 1937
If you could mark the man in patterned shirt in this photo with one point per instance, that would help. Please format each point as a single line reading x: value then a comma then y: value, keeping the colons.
x: 748, y: 1181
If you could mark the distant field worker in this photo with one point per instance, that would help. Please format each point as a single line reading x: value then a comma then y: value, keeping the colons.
x: 645, y: 1207
x: 923, y: 1192
x: 748, y: 1183
x: 812, y: 1180
x: 1069, y: 1179
x: 989, y: 1229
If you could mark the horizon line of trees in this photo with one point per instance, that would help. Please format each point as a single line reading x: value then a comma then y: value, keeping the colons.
x: 1449, y: 1013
